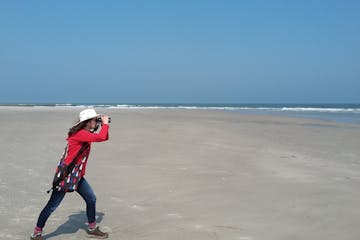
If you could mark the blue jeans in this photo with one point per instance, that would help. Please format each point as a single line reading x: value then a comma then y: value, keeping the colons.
x: 85, y: 191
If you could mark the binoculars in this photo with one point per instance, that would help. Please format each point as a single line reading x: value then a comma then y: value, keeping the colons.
x: 98, y: 120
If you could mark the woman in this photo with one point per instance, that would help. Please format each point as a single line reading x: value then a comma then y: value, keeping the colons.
x: 80, y: 134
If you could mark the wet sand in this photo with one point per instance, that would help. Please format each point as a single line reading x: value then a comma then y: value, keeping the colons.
x: 186, y: 174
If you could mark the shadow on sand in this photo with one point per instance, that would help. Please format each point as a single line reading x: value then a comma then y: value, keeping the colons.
x: 75, y: 222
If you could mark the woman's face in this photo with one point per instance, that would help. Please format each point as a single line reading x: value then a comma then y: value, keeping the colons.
x: 91, y: 124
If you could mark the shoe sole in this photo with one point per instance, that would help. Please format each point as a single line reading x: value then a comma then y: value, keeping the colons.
x: 98, y: 237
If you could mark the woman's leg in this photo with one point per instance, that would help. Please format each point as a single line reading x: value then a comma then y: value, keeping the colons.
x: 84, y: 189
x: 86, y: 192
x: 53, y: 203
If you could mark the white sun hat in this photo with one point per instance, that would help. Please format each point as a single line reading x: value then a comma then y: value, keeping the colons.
x: 86, y: 115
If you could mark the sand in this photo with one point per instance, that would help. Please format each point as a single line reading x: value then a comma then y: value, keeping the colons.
x: 186, y: 174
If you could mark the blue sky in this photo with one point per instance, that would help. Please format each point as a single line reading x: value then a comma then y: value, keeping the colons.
x: 180, y: 51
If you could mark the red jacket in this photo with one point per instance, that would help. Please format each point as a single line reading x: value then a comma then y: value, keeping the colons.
x: 77, y: 139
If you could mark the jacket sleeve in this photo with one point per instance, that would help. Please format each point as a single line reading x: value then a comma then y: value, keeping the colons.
x: 86, y: 136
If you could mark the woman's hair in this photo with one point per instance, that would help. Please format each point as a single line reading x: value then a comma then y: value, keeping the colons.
x: 77, y: 127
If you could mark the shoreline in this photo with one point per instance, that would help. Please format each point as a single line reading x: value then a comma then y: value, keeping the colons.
x: 293, y: 115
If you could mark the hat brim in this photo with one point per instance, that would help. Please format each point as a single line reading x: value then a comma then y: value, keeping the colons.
x: 78, y: 122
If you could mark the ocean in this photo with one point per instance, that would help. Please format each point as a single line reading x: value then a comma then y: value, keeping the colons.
x: 343, y: 113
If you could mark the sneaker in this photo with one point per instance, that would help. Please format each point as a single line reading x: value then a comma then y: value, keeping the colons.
x: 96, y: 233
x: 37, y: 236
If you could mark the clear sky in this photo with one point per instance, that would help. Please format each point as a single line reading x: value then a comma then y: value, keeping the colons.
x: 187, y: 51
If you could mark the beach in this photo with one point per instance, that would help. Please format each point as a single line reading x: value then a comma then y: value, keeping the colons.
x: 186, y: 174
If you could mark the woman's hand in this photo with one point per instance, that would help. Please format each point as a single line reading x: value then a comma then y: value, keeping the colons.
x: 105, y: 119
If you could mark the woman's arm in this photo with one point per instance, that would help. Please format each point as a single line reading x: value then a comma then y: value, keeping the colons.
x: 86, y: 136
